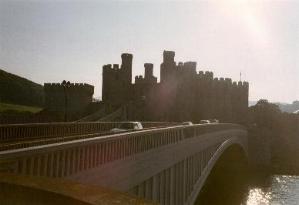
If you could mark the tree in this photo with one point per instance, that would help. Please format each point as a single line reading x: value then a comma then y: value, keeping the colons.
x: 266, y: 114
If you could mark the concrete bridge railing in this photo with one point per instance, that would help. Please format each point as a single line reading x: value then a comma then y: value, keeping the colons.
x: 47, y: 130
x: 166, y: 165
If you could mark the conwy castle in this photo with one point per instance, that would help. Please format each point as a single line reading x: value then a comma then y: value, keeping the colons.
x: 181, y: 95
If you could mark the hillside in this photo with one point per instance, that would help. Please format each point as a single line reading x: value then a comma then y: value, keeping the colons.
x: 290, y: 108
x: 13, y: 108
x: 21, y: 91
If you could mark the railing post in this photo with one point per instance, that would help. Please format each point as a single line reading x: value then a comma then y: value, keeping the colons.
x: 156, y: 188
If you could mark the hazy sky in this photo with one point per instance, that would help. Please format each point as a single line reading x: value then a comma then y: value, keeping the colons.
x: 48, y: 41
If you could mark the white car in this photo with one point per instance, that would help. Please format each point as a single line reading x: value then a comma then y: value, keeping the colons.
x: 214, y: 121
x: 204, y: 122
x: 127, y: 126
x: 187, y: 123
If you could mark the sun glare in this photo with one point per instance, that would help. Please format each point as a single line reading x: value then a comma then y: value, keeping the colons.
x: 251, y: 21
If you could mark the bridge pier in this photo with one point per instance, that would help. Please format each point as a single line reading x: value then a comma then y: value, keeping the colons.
x: 259, y: 148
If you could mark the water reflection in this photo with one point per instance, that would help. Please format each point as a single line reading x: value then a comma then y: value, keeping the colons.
x: 257, y: 196
x: 257, y: 190
x: 281, y: 190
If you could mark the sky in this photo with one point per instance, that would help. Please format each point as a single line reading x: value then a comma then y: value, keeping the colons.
x: 49, y: 41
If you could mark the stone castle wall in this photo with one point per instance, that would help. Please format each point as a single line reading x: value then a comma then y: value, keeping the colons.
x: 182, y: 94
x: 70, y: 97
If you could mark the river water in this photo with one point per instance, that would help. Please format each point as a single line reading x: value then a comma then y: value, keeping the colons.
x: 274, y: 190
x: 253, y: 190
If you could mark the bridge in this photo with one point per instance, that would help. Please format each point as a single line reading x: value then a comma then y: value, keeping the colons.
x: 164, y: 164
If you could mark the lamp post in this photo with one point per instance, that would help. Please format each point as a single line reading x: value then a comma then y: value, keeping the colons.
x: 65, y: 85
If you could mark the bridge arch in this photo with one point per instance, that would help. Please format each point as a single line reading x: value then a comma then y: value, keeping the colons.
x: 229, y: 160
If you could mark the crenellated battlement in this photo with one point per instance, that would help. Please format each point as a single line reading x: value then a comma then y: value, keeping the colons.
x: 115, y: 66
x: 180, y: 65
x: 117, y: 80
x: 190, y: 67
x: 139, y: 79
x: 126, y: 63
x: 126, y: 56
x: 168, y: 56
x: 209, y: 75
x: 246, y: 85
x: 74, y: 87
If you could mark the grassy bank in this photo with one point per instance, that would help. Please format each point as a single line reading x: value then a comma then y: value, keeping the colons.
x: 4, y: 107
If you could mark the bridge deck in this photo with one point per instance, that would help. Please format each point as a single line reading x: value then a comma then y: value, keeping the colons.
x: 17, y: 189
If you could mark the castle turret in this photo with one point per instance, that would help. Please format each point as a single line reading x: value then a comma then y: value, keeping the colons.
x: 168, y: 57
x: 168, y: 67
x: 246, y: 92
x: 149, y: 77
x: 117, y: 81
x: 190, y: 67
x: 210, y: 75
x: 126, y: 60
x: 126, y: 67
x: 148, y: 70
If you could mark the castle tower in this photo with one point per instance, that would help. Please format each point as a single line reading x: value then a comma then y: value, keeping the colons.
x: 107, y: 77
x: 168, y: 57
x: 148, y: 70
x: 228, y: 116
x: 168, y: 66
x: 126, y: 67
x: 117, y: 81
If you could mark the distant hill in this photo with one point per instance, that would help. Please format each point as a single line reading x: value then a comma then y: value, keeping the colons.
x: 17, y: 90
x: 290, y: 108
x: 251, y: 103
